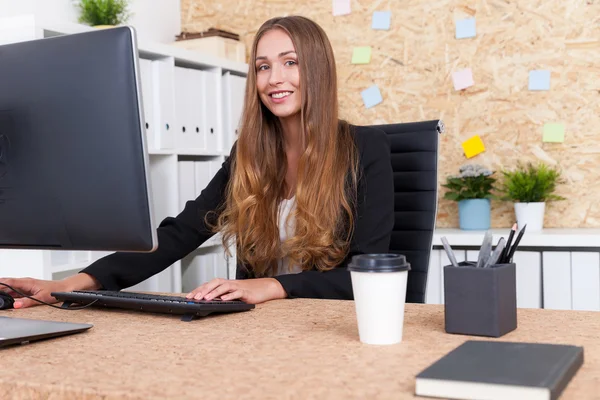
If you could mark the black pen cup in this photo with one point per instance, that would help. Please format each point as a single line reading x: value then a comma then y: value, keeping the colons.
x: 480, y: 301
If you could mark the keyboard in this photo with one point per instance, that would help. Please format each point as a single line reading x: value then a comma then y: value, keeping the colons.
x: 149, y: 302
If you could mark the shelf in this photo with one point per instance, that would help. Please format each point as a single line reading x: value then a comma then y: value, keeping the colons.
x: 69, y: 267
x: 212, y: 242
x: 158, y: 50
x: 552, y: 237
x: 188, y: 152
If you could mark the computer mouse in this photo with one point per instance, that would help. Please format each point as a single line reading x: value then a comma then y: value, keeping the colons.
x: 6, y: 301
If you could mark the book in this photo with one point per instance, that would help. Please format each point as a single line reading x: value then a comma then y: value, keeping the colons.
x: 481, y: 369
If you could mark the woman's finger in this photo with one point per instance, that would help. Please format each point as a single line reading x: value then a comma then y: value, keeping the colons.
x: 220, y: 290
x: 236, y: 294
x: 194, y: 292
x: 207, y: 288
x: 24, y: 303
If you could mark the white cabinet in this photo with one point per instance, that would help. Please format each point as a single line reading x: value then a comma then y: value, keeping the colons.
x: 180, y: 89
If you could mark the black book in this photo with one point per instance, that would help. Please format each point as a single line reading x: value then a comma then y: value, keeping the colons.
x: 501, y: 370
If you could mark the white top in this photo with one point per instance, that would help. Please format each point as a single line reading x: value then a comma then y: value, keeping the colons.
x: 285, y: 208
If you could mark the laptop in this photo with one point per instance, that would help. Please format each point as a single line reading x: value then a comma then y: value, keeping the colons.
x: 22, y: 331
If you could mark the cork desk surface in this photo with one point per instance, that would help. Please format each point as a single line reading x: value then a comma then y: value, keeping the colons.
x: 293, y: 348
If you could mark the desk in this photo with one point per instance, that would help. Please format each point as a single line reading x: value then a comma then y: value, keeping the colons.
x: 301, y: 349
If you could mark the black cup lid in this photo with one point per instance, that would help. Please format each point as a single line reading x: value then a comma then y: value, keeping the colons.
x: 379, y: 263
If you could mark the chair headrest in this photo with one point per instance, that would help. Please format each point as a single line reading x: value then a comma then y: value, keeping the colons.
x: 441, y: 127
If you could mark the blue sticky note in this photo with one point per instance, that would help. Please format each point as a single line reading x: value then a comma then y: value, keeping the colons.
x: 381, y: 20
x: 465, y: 28
x: 539, y: 79
x: 371, y: 96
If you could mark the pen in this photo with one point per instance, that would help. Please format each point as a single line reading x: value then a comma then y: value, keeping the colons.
x: 486, y: 248
x: 511, y: 252
x: 449, y: 251
x: 496, y: 254
x: 508, y: 243
x: 501, y: 238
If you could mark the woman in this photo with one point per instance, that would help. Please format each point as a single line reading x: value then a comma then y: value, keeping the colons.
x: 301, y: 193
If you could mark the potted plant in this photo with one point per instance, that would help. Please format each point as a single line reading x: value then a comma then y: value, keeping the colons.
x: 530, y: 187
x: 103, y: 13
x: 472, y: 189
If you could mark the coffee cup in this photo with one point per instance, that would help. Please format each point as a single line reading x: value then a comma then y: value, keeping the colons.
x: 379, y: 285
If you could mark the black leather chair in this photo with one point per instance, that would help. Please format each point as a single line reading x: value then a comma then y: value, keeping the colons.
x: 414, y: 148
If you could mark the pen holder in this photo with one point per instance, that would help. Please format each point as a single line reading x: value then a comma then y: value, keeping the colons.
x: 480, y: 301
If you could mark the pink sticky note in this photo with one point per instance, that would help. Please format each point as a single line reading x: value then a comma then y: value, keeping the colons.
x: 341, y: 7
x: 462, y: 79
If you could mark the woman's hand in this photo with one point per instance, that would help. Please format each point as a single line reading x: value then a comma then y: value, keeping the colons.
x: 36, y: 288
x: 41, y: 289
x: 253, y: 291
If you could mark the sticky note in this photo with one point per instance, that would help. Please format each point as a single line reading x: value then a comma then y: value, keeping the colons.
x: 539, y: 79
x: 473, y: 146
x: 361, y: 55
x: 462, y: 79
x: 465, y: 28
x: 381, y: 20
x: 371, y: 96
x: 554, y: 133
x: 341, y: 7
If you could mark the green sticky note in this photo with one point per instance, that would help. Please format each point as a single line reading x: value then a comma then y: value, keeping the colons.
x: 361, y: 55
x: 554, y: 133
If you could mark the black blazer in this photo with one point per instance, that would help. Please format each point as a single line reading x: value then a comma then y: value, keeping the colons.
x: 178, y: 236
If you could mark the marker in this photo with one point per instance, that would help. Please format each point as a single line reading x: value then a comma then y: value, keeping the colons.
x: 449, y: 251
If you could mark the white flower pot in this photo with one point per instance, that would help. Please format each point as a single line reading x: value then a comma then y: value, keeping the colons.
x: 531, y: 214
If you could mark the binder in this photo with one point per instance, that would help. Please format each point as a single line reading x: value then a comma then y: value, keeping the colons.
x: 193, y: 273
x: 208, y: 264
x: 164, y: 108
x: 182, y: 130
x: 220, y: 270
x: 202, y: 176
x: 239, y: 88
x: 227, y: 110
x: 187, y: 188
x: 211, y: 100
x: 214, y: 167
x: 234, y: 88
x: 197, y: 109
x: 197, y: 270
x: 147, y: 90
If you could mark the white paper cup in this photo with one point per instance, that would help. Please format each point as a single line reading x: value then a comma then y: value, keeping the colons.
x: 379, y: 286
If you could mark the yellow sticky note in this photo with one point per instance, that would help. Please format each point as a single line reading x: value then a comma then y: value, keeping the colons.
x: 361, y: 55
x: 554, y: 133
x: 473, y: 146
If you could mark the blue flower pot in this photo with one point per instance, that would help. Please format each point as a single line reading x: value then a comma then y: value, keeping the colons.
x: 474, y: 214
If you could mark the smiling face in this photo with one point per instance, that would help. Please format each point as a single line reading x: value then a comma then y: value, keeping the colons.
x: 277, y: 74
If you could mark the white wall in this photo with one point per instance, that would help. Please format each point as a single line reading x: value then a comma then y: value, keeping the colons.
x: 154, y: 20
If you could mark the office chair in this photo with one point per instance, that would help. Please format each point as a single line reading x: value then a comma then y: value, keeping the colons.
x: 414, y: 148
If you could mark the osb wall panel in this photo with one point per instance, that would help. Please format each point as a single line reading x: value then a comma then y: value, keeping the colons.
x: 412, y: 64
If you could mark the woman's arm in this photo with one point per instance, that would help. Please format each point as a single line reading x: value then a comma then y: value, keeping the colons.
x: 177, y: 237
x: 373, y: 225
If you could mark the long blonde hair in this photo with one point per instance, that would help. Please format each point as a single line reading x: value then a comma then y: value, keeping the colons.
x: 327, y: 170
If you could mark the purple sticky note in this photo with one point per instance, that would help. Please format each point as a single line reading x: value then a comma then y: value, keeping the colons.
x: 341, y: 7
x: 463, y: 79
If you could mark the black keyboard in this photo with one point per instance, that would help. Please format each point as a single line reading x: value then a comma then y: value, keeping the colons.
x: 152, y: 302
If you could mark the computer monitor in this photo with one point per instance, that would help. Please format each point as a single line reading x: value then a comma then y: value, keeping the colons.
x: 73, y: 157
